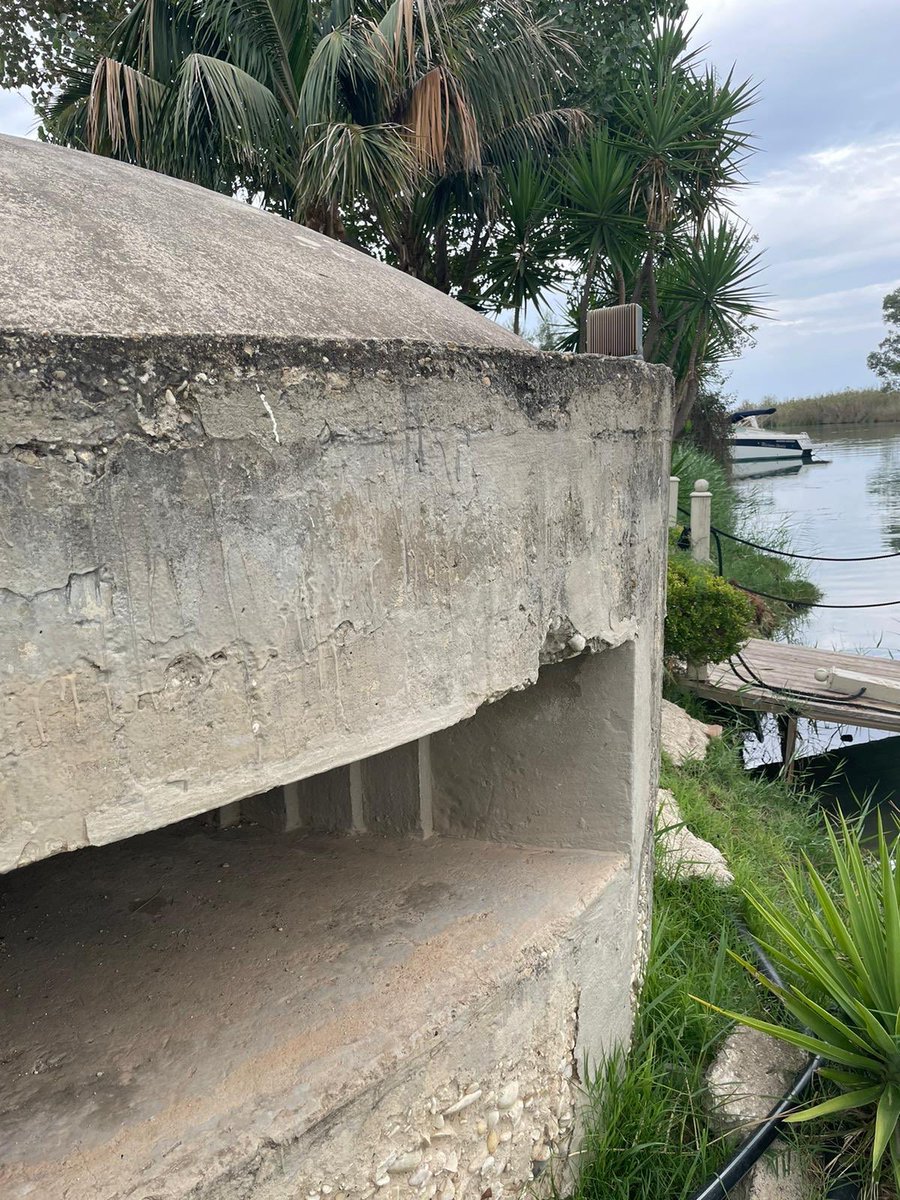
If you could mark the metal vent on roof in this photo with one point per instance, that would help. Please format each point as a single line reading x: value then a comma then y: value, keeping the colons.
x: 618, y: 331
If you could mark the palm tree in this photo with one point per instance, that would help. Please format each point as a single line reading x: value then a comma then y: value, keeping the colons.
x: 682, y: 129
x: 710, y: 291
x: 524, y: 263
x: 601, y: 232
x: 367, y: 105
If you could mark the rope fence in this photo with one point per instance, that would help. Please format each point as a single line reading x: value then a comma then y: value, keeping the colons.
x: 701, y: 532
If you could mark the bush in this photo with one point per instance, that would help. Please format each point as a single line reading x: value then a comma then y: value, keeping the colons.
x: 707, y: 619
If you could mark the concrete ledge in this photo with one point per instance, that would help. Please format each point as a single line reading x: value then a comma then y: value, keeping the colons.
x: 208, y: 1013
x: 417, y: 535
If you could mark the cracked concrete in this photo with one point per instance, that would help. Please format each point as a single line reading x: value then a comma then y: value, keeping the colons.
x: 468, y: 516
x: 286, y: 533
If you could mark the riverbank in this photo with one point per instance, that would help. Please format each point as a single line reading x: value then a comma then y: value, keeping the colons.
x: 853, y: 406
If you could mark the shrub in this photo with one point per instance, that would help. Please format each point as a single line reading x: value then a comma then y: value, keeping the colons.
x: 840, y: 950
x: 706, y: 618
x: 709, y: 426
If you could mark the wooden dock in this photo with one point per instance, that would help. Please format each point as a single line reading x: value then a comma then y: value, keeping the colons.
x: 794, y: 667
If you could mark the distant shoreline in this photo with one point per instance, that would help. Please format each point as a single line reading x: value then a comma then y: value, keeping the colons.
x: 853, y: 406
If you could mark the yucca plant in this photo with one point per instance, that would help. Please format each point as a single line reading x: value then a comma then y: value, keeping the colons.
x: 840, y: 949
x: 525, y: 263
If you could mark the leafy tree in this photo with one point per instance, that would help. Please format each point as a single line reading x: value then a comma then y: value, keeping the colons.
x: 885, y: 361
x: 609, y: 37
x: 38, y: 39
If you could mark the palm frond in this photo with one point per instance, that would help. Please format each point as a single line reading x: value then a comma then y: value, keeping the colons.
x: 121, y: 110
x: 221, y: 118
x: 343, y: 162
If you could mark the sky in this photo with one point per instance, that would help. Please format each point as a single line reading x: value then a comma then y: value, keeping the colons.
x: 824, y: 187
x: 824, y: 195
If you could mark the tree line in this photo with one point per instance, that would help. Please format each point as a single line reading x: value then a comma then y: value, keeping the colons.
x: 526, y: 156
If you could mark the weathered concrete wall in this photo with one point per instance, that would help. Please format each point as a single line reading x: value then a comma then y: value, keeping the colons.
x: 260, y: 560
x: 286, y: 535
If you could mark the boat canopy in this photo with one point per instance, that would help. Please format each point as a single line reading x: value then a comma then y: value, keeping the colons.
x: 750, y: 412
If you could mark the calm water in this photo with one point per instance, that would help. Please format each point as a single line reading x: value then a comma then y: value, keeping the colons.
x: 849, y: 506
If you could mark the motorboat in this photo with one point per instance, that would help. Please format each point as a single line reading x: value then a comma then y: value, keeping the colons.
x: 750, y: 443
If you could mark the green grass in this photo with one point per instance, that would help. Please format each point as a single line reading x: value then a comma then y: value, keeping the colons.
x: 648, y: 1137
x: 737, y: 514
x: 762, y: 825
x: 853, y: 406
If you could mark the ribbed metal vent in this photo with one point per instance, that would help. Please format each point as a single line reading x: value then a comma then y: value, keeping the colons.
x: 618, y: 331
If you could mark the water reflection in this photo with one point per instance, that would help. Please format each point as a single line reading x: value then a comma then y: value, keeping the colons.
x: 765, y: 470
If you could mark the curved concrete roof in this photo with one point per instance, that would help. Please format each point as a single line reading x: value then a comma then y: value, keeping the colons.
x: 90, y: 246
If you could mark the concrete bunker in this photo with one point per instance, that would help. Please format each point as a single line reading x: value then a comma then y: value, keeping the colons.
x: 332, y: 619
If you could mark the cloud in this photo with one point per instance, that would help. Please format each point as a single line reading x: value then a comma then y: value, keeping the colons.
x: 17, y: 117
x: 831, y: 231
x: 823, y: 196
x: 831, y: 215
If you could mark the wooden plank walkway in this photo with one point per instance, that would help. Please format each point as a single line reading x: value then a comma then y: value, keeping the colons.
x: 795, y: 667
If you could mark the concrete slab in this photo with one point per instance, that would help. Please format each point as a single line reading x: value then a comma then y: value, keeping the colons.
x: 196, y: 1008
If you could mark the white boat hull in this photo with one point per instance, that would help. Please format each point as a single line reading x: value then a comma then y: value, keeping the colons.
x: 754, y: 445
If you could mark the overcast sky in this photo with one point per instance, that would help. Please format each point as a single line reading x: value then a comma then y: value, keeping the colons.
x: 825, y: 190
x: 825, y: 194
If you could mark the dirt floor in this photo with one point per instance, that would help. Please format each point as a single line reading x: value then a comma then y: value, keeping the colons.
x: 201, y: 981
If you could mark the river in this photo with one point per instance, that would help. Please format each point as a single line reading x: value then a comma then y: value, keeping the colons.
x: 848, y: 506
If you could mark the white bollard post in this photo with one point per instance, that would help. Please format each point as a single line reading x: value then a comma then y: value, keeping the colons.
x: 673, y: 501
x: 701, y: 516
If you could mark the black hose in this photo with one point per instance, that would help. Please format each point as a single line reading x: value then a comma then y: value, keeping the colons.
x: 751, y: 1149
x: 755, y: 1144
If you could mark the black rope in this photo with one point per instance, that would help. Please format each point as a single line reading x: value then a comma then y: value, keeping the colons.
x: 754, y: 680
x: 807, y: 557
x: 733, y: 537
x: 797, y: 694
x: 791, y: 603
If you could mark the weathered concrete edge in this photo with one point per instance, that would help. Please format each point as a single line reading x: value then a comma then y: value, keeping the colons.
x: 542, y: 385
x: 47, y: 378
